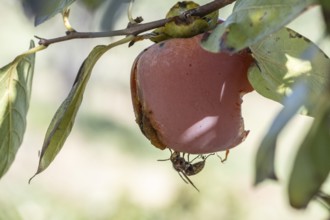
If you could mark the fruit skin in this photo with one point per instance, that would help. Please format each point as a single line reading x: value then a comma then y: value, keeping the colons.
x: 188, y: 99
x: 141, y: 117
x: 191, y: 26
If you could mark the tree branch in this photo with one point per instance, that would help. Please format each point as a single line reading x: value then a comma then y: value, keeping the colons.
x: 135, y: 29
x: 208, y: 8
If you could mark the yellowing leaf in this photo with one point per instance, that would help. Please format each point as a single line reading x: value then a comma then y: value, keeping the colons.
x: 282, y: 59
x: 292, y: 70
x: 15, y: 90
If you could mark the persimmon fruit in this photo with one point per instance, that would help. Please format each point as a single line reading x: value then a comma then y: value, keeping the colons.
x: 188, y: 99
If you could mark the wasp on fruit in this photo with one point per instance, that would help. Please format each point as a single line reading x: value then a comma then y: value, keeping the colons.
x: 185, y: 167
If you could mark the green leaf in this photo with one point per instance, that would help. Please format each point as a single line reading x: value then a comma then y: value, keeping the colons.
x: 47, y: 9
x: 251, y: 21
x: 63, y: 120
x: 284, y: 58
x: 15, y: 91
x: 312, y: 165
x: 265, y: 160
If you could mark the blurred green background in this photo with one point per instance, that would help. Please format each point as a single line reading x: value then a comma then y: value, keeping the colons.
x: 107, y: 169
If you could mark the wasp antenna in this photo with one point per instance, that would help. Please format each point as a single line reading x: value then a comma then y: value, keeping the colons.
x: 190, y: 161
x: 183, y: 175
x: 191, y: 183
x: 164, y: 159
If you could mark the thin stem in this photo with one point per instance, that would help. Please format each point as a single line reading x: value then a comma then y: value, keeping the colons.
x: 208, y: 8
x: 135, y: 29
x: 30, y: 51
x: 65, y: 17
x: 129, y: 12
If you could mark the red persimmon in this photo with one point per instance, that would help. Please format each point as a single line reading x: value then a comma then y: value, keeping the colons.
x: 188, y: 99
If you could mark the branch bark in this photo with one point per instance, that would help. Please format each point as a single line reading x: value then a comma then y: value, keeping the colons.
x: 135, y: 29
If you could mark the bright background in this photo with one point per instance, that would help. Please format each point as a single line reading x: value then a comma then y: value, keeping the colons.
x: 107, y: 169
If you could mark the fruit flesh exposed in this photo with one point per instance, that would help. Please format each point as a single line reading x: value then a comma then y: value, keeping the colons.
x: 188, y: 99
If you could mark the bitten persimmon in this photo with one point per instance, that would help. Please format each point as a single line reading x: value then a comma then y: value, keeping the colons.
x: 188, y: 99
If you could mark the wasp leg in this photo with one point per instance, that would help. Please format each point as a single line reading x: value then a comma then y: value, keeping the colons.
x: 168, y: 158
x: 226, y: 156
x: 190, y: 161
x: 205, y: 157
